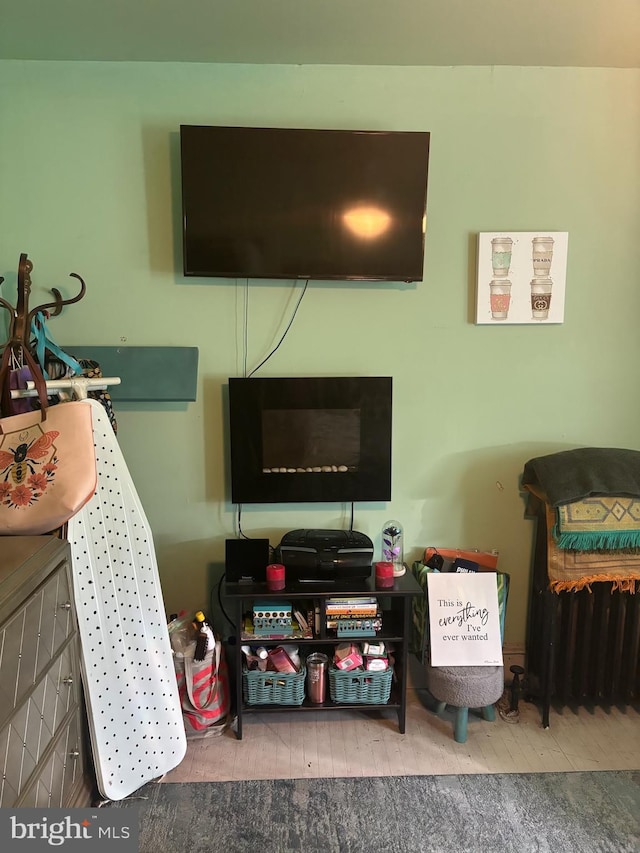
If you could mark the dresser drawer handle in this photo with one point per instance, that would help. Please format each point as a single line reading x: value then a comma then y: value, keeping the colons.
x: 66, y: 605
x: 68, y: 680
x: 75, y: 753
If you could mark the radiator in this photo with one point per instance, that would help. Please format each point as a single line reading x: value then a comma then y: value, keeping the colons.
x: 582, y: 647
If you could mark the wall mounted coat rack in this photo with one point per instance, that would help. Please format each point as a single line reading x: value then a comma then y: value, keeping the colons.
x: 20, y: 316
x: 144, y: 374
x: 18, y: 351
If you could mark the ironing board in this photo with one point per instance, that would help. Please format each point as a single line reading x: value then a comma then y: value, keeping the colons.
x: 134, y: 714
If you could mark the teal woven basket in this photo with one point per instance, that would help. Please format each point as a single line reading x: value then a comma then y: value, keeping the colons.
x: 356, y: 687
x: 273, y: 688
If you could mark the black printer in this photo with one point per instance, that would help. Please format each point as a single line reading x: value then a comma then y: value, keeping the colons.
x: 326, y: 555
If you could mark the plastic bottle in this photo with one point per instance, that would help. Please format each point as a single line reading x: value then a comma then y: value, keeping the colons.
x: 199, y: 620
x: 205, y: 641
x: 254, y: 658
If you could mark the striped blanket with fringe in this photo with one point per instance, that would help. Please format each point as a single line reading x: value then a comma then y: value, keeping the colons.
x: 589, y: 498
x: 598, y: 524
x: 571, y: 569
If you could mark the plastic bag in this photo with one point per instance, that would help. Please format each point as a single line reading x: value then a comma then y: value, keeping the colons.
x: 203, y: 685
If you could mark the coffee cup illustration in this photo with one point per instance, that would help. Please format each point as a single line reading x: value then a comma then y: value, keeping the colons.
x: 501, y: 256
x: 542, y: 256
x: 500, y: 297
x: 541, y: 298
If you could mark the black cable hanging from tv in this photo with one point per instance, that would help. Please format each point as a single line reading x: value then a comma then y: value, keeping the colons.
x: 264, y: 360
x: 245, y: 330
x: 241, y: 532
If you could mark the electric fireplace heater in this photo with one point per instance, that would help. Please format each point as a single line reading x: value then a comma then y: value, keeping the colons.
x: 316, y: 439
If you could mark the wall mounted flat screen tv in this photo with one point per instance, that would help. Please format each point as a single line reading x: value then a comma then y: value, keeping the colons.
x: 310, y: 439
x: 303, y: 204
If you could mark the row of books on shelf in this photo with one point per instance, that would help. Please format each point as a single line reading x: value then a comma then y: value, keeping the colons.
x: 349, y: 617
x: 351, y: 607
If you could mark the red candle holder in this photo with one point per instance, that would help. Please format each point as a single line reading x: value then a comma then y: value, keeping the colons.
x: 275, y: 576
x: 384, y: 575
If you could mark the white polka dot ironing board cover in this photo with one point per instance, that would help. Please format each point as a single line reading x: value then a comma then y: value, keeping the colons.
x: 135, y: 719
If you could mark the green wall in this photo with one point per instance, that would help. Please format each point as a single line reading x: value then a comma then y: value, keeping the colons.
x: 90, y: 184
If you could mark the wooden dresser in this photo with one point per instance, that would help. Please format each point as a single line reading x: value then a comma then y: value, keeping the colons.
x: 43, y: 752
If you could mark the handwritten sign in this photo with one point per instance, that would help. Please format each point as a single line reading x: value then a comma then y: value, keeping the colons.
x: 464, y: 619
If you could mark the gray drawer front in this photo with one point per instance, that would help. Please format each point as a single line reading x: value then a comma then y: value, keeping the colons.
x: 31, y: 637
x: 60, y: 774
x: 26, y: 738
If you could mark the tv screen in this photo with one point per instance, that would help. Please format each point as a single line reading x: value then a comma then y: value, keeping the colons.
x: 303, y: 204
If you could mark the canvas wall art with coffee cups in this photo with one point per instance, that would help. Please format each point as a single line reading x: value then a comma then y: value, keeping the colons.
x: 521, y: 277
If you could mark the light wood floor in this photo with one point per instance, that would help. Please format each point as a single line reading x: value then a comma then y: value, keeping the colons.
x: 290, y: 745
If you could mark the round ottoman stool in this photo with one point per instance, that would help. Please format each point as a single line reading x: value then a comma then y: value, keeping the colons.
x: 465, y: 687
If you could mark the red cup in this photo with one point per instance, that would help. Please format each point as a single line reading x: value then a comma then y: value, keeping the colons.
x: 275, y: 576
x: 384, y: 575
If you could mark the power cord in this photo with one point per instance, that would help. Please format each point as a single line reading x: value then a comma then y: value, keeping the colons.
x: 264, y: 360
x: 222, y: 608
x: 241, y: 533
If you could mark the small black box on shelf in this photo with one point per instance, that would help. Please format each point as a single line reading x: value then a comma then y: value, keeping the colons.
x: 246, y: 560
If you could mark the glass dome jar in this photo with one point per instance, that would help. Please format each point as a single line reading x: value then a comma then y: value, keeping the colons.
x: 393, y: 546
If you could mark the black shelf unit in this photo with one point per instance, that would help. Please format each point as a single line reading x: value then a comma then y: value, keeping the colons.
x: 395, y: 603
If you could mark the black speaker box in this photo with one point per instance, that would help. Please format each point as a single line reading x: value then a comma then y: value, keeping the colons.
x: 246, y: 560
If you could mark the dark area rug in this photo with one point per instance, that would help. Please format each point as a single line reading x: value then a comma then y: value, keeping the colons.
x: 553, y: 812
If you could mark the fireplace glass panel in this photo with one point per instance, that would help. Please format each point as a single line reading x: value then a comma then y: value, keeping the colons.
x: 303, y: 439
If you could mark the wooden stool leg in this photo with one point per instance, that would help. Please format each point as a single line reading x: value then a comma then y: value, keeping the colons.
x: 460, y: 725
x: 489, y: 713
x: 440, y: 707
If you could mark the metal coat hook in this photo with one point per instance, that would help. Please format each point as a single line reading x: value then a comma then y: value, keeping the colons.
x: 60, y: 302
x: 21, y: 317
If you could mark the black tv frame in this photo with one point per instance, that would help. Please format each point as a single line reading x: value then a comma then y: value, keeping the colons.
x: 380, y: 168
